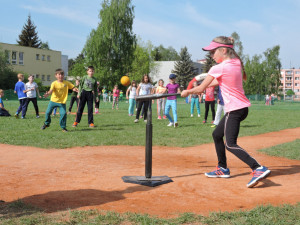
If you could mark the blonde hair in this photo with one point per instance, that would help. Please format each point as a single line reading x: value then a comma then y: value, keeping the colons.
x: 230, y: 51
x: 1, y: 91
x: 20, y: 75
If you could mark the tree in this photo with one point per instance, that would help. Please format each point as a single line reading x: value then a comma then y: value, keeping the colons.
x: 29, y: 36
x: 184, y: 68
x: 161, y: 53
x: 45, y: 45
x: 77, y: 66
x: 110, y: 47
x: 209, y: 62
x: 8, y: 77
x: 290, y: 92
x: 238, y: 45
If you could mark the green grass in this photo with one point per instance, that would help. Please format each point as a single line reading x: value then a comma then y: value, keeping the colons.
x: 287, y: 150
x: 285, y: 214
x: 117, y: 128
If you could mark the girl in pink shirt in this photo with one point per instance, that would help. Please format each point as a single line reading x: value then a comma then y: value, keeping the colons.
x: 116, y: 94
x: 229, y: 74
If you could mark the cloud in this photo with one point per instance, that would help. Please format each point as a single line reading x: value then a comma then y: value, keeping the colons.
x: 249, y: 27
x: 65, y: 13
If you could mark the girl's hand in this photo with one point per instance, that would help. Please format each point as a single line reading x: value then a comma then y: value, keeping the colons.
x: 184, y: 93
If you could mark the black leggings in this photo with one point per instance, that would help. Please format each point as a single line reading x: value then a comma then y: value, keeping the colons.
x: 230, y: 127
x: 212, y: 106
x: 34, y: 102
x: 145, y: 109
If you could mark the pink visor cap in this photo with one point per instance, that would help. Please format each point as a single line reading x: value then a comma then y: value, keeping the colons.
x: 213, y: 45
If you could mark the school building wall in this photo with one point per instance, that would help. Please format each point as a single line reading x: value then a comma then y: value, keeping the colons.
x: 290, y: 80
x: 40, y: 62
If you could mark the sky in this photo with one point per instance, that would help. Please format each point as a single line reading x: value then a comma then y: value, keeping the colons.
x: 261, y: 24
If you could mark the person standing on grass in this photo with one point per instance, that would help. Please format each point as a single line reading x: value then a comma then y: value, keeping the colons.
x: 172, y: 88
x: 116, y: 95
x: 229, y: 74
x: 59, y: 94
x: 195, y: 100
x: 209, y: 101
x: 97, y: 103
x: 74, y: 97
x: 20, y: 91
x: 144, y: 88
x: 3, y: 111
x: 161, y: 102
x: 220, y: 109
x: 86, y: 93
x: 131, y: 97
x: 31, y: 88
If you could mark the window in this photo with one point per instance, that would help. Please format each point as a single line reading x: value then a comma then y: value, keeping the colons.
x: 14, y: 58
x: 43, y: 77
x: 297, y: 72
x: 43, y: 57
x: 48, y: 58
x: 7, y: 55
x: 21, y: 58
x: 289, y: 72
x: 48, y: 77
x: 37, y: 76
x: 288, y: 78
x: 37, y: 57
x: 297, y: 78
x: 288, y: 85
x: 296, y: 84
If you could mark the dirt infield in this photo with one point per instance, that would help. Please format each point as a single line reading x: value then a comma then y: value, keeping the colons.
x: 90, y: 178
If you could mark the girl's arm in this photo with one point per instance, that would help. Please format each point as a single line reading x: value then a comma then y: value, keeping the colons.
x: 178, y: 90
x: 138, y: 90
x: 214, y: 83
x: 38, y: 92
x: 199, y: 89
x: 128, y: 89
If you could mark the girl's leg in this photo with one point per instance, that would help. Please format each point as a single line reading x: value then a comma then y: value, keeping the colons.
x: 159, y: 103
x: 213, y: 111
x: 232, y: 128
x: 167, y: 110
x: 117, y: 102
x: 163, y: 106
x: 174, y: 110
x: 140, y: 104
x: 192, y: 105
x: 218, y: 114
x: 206, y: 109
x: 114, y: 102
x: 130, y: 107
x: 218, y: 136
x: 146, y: 106
x: 197, y: 105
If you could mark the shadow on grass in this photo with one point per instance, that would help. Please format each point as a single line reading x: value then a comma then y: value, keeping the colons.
x: 56, y: 201
x: 251, y: 125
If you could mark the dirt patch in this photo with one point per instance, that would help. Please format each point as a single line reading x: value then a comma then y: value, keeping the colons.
x: 90, y: 178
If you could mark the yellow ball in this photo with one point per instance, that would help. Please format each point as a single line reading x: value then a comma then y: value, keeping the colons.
x: 125, y: 80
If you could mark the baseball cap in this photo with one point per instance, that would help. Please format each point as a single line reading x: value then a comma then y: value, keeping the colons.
x: 172, y: 76
x: 213, y: 45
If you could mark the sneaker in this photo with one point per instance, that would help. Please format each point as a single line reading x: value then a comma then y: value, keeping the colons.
x: 44, y: 126
x: 141, y: 117
x: 91, y: 125
x: 213, y: 126
x: 219, y: 172
x: 69, y: 113
x: 145, y: 121
x: 258, y: 174
x: 170, y: 124
x: 17, y: 116
x: 22, y: 117
x: 37, y: 116
x: 159, y: 118
x: 212, y: 122
x: 164, y: 117
x: 64, y: 130
x: 192, y: 115
x: 204, y: 121
x: 136, y: 120
x: 176, y: 124
x: 199, y: 115
x: 75, y: 124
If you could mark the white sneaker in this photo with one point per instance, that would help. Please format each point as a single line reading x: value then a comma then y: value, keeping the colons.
x: 170, y: 124
x: 136, y: 120
x: 192, y: 115
x: 198, y: 115
x: 176, y: 124
x: 145, y: 121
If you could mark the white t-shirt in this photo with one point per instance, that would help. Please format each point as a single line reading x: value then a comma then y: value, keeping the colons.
x: 145, y: 88
x: 28, y: 86
x: 132, y: 92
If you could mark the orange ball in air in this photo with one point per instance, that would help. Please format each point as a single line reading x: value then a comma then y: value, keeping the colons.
x: 125, y: 81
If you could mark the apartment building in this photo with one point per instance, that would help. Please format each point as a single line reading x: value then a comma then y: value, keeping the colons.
x: 290, y: 80
x: 40, y: 62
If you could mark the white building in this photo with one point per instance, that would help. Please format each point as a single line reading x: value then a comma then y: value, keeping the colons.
x: 65, y: 64
x: 164, y: 68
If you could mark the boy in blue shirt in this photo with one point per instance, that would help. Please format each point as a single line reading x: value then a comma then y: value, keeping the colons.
x: 3, y: 111
x: 19, y: 90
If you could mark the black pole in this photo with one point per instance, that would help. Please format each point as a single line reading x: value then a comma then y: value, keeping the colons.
x: 148, y: 149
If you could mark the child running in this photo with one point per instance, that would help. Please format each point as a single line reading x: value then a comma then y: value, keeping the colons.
x: 74, y: 97
x: 172, y: 88
x: 229, y: 76
x: 86, y: 93
x: 20, y: 91
x: 59, y: 91
x: 97, y: 103
x: 3, y: 111
x: 195, y: 100
x: 116, y: 95
x: 161, y: 102
x: 31, y: 91
x: 132, y: 95
x: 209, y: 101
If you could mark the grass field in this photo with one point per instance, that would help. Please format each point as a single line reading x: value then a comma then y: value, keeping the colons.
x: 117, y: 128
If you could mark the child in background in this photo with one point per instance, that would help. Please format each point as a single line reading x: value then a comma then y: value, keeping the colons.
x: 109, y: 96
x: 73, y: 97
x: 144, y: 88
x: 3, y: 111
x: 132, y: 95
x: 31, y: 90
x: 161, y: 102
x: 220, y: 109
x: 116, y: 95
x: 195, y: 100
x: 229, y: 74
x: 172, y: 88
x: 104, y: 94
x: 20, y: 91
x: 121, y: 95
x: 59, y: 95
x: 87, y: 91
x: 210, y: 100
x: 97, y: 103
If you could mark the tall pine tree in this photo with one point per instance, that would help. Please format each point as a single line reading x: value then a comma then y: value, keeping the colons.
x: 183, y: 68
x: 29, y: 36
x: 209, y: 62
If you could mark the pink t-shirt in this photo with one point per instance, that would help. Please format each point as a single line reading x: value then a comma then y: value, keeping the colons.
x: 210, y: 94
x: 230, y: 78
x: 116, y: 93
